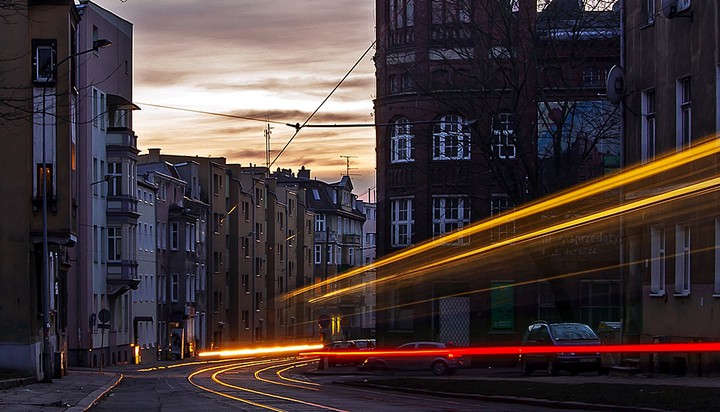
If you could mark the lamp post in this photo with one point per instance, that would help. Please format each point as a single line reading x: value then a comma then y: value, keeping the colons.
x: 47, y: 356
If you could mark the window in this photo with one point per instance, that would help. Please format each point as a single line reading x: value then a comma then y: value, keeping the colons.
x: 187, y: 236
x: 174, y: 287
x: 44, y: 61
x: 401, y: 13
x: 499, y: 203
x: 682, y: 259
x: 683, y: 120
x: 258, y: 196
x: 450, y: 214
x: 246, y: 283
x: 401, y: 222
x: 318, y: 254
x: 174, y: 236
x: 246, y: 211
x: 320, y: 222
x: 450, y: 11
x: 657, y: 261
x: 450, y: 140
x: 114, y: 243
x: 246, y: 246
x: 291, y: 237
x: 650, y: 11
x: 401, y: 141
x: 592, y: 77
x: 648, y: 125
x: 281, y: 220
x: 503, y: 138
x: 115, y: 178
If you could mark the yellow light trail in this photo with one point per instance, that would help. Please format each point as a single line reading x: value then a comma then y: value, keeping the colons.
x: 260, y: 378
x: 258, y: 351
x: 293, y: 366
x: 602, y: 185
x: 270, y: 395
x: 692, y: 189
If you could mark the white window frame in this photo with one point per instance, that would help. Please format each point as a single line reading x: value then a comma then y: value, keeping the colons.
x: 648, y: 130
x: 450, y: 139
x: 174, y: 235
x: 503, y: 136
x: 450, y: 213
x: 320, y: 224
x: 401, y: 221
x: 683, y: 120
x: 401, y: 142
x: 318, y: 254
x: 657, y: 261
x: 174, y: 287
x: 682, y: 259
x: 114, y: 237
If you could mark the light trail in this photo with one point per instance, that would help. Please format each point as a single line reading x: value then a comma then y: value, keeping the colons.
x: 682, y: 192
x: 524, y: 350
x: 270, y: 395
x: 292, y: 365
x: 600, y: 186
x: 258, y: 351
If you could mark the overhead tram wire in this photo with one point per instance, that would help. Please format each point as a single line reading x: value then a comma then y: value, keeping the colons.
x: 232, y: 116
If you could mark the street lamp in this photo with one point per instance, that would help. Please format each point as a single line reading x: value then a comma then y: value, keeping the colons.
x: 97, y: 44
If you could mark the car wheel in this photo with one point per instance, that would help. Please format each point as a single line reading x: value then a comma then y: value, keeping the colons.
x: 378, y: 368
x: 439, y: 368
x: 552, y: 368
x: 525, y: 368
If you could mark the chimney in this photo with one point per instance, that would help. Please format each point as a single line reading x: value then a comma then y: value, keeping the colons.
x: 303, y: 173
x: 154, y: 155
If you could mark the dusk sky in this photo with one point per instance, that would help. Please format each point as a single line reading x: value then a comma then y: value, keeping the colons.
x: 276, y: 59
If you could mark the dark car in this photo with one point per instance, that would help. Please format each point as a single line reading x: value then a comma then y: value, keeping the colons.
x: 345, y: 346
x: 543, y: 333
x: 440, y: 364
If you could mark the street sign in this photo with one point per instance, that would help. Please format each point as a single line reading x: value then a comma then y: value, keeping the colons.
x: 104, y: 315
x: 104, y: 326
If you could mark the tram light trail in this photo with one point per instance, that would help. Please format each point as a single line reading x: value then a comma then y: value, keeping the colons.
x: 530, y: 350
x: 682, y: 192
x: 551, y: 206
x: 229, y: 353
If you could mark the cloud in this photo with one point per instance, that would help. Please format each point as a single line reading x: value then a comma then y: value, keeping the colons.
x: 275, y: 59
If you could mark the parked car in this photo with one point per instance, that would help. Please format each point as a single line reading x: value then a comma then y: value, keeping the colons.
x: 345, y: 346
x: 440, y: 364
x: 541, y: 333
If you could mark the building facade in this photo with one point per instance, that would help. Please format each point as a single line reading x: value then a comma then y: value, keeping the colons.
x: 481, y: 107
x: 671, y: 72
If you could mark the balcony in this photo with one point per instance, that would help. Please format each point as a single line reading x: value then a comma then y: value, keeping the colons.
x: 121, y: 136
x: 121, y: 277
x: 352, y: 240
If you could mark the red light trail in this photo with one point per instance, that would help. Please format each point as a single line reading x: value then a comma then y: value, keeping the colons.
x: 524, y: 350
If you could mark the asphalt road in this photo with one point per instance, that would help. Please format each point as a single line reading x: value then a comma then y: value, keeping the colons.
x: 278, y: 386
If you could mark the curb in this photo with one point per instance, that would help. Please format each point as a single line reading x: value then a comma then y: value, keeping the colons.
x: 87, y: 402
x: 15, y: 382
x: 509, y: 399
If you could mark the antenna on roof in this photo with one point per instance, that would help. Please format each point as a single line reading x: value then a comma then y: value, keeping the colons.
x: 347, y: 164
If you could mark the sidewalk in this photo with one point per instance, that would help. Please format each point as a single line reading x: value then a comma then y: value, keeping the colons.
x: 77, y: 391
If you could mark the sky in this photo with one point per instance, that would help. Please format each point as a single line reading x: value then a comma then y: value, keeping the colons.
x: 273, y: 60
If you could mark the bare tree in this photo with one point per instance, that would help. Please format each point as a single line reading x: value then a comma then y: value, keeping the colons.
x: 526, y: 82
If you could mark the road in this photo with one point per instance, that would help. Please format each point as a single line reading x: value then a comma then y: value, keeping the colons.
x: 268, y: 384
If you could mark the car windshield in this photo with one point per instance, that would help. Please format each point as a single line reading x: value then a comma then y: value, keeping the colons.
x: 572, y: 332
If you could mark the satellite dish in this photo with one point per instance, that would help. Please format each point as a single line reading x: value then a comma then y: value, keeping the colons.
x: 669, y: 8
x: 615, y: 84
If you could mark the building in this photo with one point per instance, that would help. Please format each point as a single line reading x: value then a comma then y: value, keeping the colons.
x: 144, y: 307
x: 367, y: 298
x: 182, y: 258
x: 670, y: 98
x: 106, y: 255
x: 46, y: 50
x: 474, y: 101
x: 207, y: 178
x: 336, y: 248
